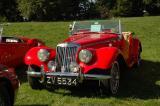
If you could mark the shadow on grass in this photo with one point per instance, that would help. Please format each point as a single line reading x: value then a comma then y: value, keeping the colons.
x: 137, y: 83
x: 21, y: 73
x: 142, y: 83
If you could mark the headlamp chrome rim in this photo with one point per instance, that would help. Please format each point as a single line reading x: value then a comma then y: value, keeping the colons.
x: 52, y: 65
x: 85, y: 56
x: 43, y: 55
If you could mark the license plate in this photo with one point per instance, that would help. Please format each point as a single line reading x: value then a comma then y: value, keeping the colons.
x: 61, y: 81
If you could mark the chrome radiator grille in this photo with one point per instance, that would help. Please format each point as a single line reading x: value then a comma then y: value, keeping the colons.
x: 65, y: 54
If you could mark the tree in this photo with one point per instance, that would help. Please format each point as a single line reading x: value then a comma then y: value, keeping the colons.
x: 152, y: 6
x: 128, y: 8
x: 104, y: 7
x: 8, y: 10
x: 31, y: 9
x: 56, y: 10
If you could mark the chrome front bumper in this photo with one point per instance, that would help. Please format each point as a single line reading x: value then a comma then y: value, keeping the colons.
x: 68, y: 74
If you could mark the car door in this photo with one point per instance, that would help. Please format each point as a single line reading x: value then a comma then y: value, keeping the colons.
x: 6, y: 54
x: 19, y: 50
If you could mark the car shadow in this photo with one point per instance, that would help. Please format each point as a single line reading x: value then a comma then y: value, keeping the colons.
x: 142, y: 82
x: 21, y: 73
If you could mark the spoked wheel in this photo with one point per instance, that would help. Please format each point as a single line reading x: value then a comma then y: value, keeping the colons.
x: 114, y: 81
x: 5, y: 98
x: 34, y: 82
x: 111, y: 86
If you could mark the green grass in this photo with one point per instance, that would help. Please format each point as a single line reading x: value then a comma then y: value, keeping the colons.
x: 139, y: 86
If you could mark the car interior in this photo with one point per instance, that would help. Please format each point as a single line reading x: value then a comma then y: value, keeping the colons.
x: 10, y: 40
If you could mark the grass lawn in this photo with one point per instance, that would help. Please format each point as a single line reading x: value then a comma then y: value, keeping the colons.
x: 139, y: 86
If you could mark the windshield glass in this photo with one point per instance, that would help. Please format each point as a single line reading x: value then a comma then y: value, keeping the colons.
x: 104, y: 26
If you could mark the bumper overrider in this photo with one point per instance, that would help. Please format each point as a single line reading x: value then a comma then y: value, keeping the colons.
x: 64, y: 78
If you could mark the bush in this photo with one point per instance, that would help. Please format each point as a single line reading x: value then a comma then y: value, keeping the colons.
x: 3, y: 19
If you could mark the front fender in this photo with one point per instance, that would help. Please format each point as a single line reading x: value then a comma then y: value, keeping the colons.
x: 32, y: 59
x: 33, y: 42
x: 103, y: 59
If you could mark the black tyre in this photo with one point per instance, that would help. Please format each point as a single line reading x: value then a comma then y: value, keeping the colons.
x: 139, y: 60
x: 5, y: 97
x: 34, y: 82
x: 111, y: 86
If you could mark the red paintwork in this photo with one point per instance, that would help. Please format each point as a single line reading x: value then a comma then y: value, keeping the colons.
x: 10, y: 79
x: 32, y: 59
x: 12, y: 53
x: 100, y: 60
x: 91, y: 38
x: 106, y: 47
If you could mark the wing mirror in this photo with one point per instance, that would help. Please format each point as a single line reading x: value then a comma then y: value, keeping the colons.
x: 70, y: 29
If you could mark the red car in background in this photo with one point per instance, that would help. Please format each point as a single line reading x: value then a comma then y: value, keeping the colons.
x: 8, y: 86
x: 95, y: 50
x: 13, y: 49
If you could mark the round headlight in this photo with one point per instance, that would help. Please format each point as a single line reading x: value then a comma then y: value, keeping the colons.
x: 85, y: 56
x: 52, y: 65
x: 43, y: 55
x: 74, y: 67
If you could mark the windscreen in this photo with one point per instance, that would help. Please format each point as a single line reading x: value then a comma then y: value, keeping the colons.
x: 108, y: 26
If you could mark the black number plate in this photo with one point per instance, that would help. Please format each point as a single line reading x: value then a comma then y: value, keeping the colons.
x: 62, y: 81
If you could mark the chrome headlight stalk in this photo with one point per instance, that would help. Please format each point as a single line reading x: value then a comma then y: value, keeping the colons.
x: 85, y: 56
x: 52, y: 65
x: 43, y: 55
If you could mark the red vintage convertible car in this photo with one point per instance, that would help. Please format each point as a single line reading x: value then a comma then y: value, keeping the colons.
x: 95, y: 50
x: 8, y: 86
x: 13, y: 49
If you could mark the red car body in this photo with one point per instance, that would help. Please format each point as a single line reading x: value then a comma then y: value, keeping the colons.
x: 8, y: 86
x: 13, y: 49
x: 93, y: 54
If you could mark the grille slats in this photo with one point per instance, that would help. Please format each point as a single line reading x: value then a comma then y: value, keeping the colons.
x: 65, y: 54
